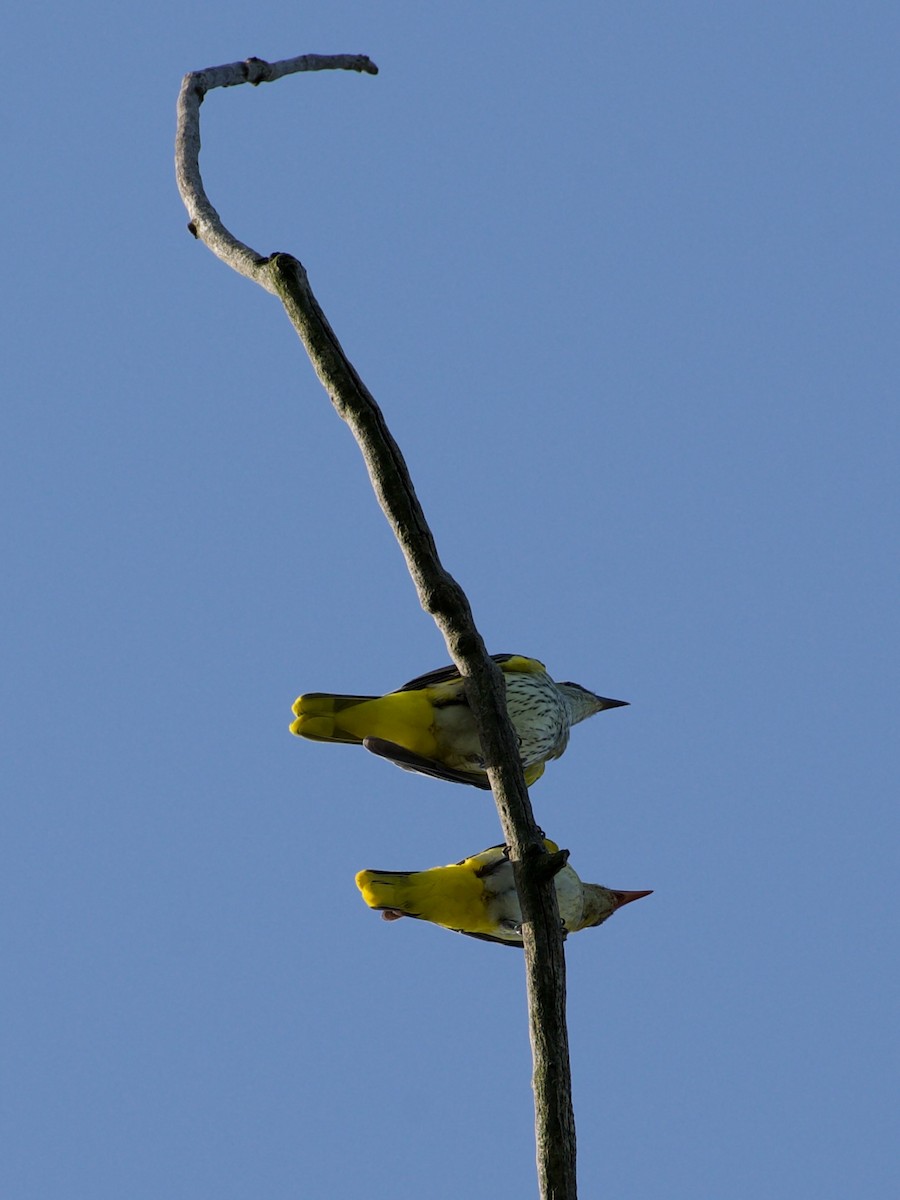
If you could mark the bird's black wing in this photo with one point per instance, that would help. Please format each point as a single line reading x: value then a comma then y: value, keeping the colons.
x: 443, y: 675
x: 424, y: 766
x: 489, y: 937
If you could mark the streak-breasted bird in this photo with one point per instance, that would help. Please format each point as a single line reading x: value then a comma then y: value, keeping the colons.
x: 427, y: 725
x: 478, y: 896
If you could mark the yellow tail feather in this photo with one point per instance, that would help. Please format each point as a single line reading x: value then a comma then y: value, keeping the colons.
x: 452, y: 896
x: 388, y: 889
x: 404, y: 718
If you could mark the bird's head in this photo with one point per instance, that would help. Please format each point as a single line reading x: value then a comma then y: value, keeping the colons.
x: 601, y: 902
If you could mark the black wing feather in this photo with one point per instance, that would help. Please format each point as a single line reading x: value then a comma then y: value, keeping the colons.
x: 424, y: 766
x: 443, y: 675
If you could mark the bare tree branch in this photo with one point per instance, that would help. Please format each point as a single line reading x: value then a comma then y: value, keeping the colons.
x: 439, y: 594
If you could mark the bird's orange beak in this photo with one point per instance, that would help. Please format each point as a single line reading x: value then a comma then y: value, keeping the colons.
x: 627, y: 897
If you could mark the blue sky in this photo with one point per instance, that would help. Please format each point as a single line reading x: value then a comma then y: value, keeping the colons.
x: 625, y: 281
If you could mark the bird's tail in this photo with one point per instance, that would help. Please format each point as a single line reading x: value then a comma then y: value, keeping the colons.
x: 403, y: 718
x: 393, y: 892
x: 326, y: 718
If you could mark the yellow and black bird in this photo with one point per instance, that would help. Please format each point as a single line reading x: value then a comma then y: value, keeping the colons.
x: 478, y: 897
x: 427, y: 725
